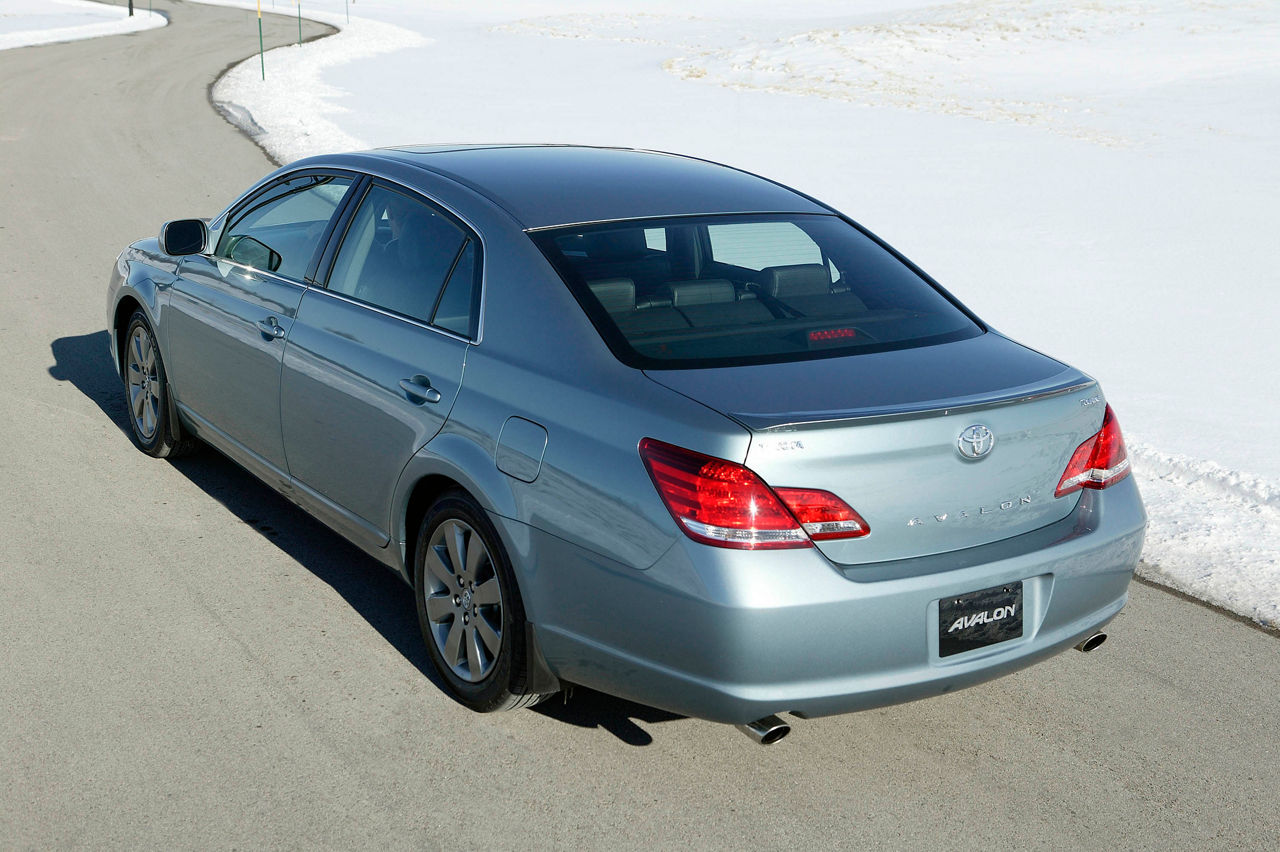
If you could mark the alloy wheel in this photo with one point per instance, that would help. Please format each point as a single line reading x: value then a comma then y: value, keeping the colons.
x: 143, y: 376
x: 463, y: 600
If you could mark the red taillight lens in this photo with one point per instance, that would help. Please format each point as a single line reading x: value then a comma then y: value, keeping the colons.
x: 1099, y: 462
x: 726, y: 504
x: 823, y: 515
x: 719, y: 502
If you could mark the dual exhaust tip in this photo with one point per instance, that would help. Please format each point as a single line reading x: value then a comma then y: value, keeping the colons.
x: 770, y: 729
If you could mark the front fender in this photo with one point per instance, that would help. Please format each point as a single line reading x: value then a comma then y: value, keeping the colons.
x: 139, y: 279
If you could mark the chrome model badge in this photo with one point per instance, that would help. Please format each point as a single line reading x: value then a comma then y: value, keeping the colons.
x: 976, y: 441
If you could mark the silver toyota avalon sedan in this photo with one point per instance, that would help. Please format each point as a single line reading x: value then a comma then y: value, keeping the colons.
x: 639, y: 422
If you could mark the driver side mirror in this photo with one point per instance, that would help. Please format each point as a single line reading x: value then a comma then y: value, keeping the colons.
x: 183, y: 236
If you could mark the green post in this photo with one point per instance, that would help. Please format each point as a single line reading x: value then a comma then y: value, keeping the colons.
x: 299, y: 22
x: 261, y: 59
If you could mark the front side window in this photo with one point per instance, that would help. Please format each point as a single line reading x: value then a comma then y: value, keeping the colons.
x: 280, y: 229
x: 403, y: 255
x: 747, y: 289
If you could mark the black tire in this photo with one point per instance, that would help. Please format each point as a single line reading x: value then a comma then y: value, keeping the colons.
x: 146, y: 393
x: 482, y: 678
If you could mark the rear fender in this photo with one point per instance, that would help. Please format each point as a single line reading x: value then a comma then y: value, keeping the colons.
x: 455, y: 456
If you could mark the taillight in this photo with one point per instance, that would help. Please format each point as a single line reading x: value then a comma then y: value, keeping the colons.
x: 823, y: 515
x: 723, y: 503
x: 1099, y: 462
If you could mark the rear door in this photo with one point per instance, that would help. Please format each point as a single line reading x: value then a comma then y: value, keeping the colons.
x: 229, y: 312
x: 375, y: 359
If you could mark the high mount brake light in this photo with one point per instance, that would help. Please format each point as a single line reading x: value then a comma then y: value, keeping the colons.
x: 1099, y: 462
x: 725, y: 504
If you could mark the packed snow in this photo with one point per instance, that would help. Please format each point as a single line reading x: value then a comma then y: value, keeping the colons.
x: 28, y: 22
x: 1099, y: 180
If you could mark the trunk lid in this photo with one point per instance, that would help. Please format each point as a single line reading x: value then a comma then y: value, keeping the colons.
x: 883, y: 432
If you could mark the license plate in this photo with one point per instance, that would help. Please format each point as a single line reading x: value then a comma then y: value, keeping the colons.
x: 979, y: 619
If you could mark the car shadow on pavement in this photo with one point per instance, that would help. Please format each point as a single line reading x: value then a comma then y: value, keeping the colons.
x: 587, y: 708
x: 85, y: 361
x: 375, y: 593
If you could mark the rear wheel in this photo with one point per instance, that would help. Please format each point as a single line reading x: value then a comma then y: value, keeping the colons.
x: 469, y: 607
x: 147, y: 393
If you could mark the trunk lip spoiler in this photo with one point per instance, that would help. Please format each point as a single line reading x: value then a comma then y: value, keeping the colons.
x: 800, y: 421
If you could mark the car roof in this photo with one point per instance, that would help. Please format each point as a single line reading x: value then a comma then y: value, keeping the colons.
x: 548, y: 185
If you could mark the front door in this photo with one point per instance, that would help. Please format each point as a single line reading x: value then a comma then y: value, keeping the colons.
x: 229, y: 312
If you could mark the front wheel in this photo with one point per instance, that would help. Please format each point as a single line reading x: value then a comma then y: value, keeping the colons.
x: 469, y: 607
x: 147, y: 393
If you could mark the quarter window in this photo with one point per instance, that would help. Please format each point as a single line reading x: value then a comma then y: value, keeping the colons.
x: 403, y: 255
x: 280, y: 229
x: 455, y: 309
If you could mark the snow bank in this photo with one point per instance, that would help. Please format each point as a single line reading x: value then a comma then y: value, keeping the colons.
x: 1214, y: 533
x: 29, y: 22
x: 287, y: 107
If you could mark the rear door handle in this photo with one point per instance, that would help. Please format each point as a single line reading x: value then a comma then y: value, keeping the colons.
x: 270, y: 328
x: 419, y: 389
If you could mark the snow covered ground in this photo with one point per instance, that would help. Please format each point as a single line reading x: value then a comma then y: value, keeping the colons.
x: 1099, y: 180
x: 27, y: 22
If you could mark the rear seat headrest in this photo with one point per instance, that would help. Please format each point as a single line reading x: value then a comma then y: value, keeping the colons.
x: 615, y: 245
x: 701, y: 292
x: 801, y: 279
x: 615, y: 294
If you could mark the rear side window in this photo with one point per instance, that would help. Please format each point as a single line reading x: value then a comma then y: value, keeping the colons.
x: 756, y: 245
x: 404, y: 255
x: 742, y: 289
x: 279, y: 230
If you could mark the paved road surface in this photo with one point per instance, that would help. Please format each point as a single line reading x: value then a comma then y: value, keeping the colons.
x: 189, y: 661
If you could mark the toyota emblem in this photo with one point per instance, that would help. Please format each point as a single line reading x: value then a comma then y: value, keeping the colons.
x: 976, y: 441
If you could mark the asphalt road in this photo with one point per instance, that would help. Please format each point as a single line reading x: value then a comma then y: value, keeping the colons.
x: 187, y: 660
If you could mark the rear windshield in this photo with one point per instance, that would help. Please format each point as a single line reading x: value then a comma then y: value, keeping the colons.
x: 747, y: 289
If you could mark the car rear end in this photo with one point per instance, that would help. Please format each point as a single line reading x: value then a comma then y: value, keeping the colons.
x: 923, y: 504
x: 908, y: 569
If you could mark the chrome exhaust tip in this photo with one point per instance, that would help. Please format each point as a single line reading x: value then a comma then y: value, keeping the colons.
x: 1092, y: 642
x: 766, y: 731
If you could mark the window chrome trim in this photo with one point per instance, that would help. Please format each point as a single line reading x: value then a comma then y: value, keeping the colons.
x: 631, y: 220
x: 272, y: 277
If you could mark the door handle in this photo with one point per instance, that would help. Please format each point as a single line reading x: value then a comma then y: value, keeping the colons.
x: 419, y: 389
x: 270, y: 328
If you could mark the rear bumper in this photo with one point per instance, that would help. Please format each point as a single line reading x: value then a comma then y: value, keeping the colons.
x: 733, y: 636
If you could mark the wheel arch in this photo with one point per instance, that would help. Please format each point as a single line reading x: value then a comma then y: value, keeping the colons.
x: 125, y: 309
x: 426, y: 478
x: 424, y: 492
